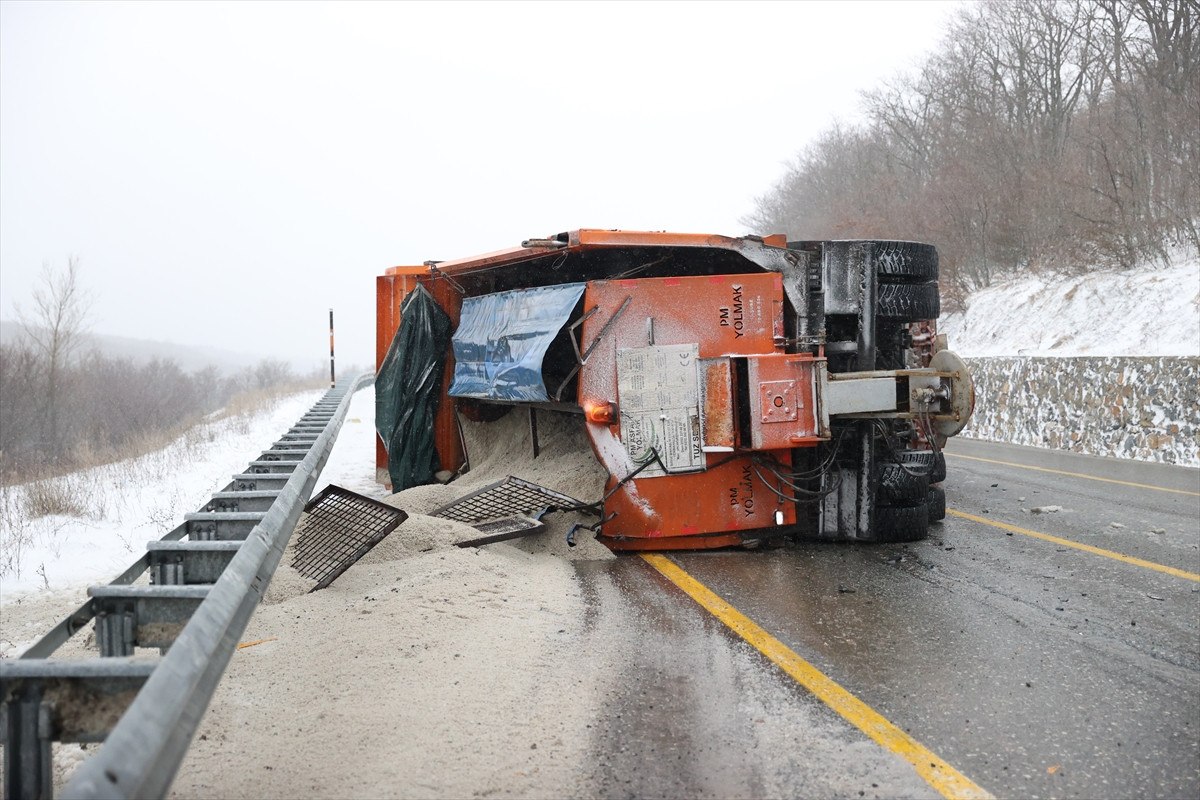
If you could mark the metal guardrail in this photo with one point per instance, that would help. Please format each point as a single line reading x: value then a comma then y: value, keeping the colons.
x: 202, y: 595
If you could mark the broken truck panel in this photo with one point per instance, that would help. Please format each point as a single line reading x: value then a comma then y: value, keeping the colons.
x: 734, y: 389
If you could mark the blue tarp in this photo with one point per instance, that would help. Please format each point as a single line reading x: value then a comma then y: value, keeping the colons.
x: 502, y: 339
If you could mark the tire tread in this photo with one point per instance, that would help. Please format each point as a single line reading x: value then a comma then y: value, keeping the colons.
x: 902, y: 523
x: 909, y: 302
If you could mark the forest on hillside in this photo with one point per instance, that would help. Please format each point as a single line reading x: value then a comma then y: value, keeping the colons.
x: 66, y: 407
x: 1041, y: 134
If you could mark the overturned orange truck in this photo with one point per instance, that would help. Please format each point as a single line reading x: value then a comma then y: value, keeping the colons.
x: 736, y: 390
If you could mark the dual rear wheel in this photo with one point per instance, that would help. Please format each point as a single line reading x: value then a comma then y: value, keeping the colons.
x: 910, y: 496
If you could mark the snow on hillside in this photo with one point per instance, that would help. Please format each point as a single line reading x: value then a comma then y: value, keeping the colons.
x: 1141, y: 312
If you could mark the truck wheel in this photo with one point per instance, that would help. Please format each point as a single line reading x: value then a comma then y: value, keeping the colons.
x: 937, y: 504
x: 905, y: 262
x: 894, y: 262
x: 901, y: 523
x: 908, y: 302
x: 927, y: 460
x: 900, y: 487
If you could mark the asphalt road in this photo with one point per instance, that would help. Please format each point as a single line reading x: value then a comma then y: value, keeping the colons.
x: 1034, y: 667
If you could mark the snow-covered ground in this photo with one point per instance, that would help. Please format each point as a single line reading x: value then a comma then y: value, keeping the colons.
x: 128, y: 503
x: 1141, y: 312
x: 47, y: 563
x: 351, y: 463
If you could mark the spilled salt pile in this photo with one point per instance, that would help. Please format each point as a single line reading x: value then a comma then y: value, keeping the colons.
x: 502, y: 448
x: 496, y: 450
x: 394, y: 660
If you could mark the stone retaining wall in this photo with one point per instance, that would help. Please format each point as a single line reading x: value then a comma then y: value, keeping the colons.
x: 1143, y: 408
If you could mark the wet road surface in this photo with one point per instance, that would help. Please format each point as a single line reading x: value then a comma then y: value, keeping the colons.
x: 692, y: 711
x: 1035, y: 668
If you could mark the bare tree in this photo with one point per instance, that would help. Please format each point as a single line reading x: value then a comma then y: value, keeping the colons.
x: 1042, y: 134
x: 21, y: 381
x: 272, y: 372
x: 55, y: 326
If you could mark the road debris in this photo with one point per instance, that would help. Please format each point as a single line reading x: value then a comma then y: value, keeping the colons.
x: 244, y: 645
x: 1045, y: 509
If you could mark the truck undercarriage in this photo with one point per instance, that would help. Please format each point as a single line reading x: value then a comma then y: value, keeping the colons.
x: 736, y: 390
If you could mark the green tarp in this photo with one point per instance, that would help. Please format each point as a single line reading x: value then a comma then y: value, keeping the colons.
x: 408, y: 390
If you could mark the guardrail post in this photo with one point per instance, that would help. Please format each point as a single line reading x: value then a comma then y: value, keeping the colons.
x: 28, y: 773
x: 114, y: 631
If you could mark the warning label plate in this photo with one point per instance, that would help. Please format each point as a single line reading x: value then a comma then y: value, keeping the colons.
x: 659, y: 399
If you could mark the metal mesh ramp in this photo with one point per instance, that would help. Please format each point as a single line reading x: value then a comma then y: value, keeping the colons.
x: 505, y: 499
x: 341, y: 527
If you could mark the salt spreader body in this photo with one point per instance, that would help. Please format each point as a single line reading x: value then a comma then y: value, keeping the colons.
x: 736, y: 390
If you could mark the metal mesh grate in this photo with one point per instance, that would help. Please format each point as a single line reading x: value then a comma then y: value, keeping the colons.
x: 507, y: 498
x: 499, y: 530
x: 341, y: 527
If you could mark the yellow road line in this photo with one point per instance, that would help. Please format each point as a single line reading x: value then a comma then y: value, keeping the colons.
x: 1087, y: 548
x: 1075, y: 474
x: 948, y: 781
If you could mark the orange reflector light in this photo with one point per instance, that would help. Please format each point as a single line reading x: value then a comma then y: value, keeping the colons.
x: 599, y: 411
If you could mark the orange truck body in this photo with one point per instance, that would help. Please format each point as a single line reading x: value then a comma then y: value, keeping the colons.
x: 663, y: 307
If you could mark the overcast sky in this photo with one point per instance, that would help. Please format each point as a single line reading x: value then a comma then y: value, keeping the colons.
x: 227, y: 172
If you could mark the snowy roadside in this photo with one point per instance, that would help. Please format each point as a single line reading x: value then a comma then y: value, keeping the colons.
x: 1103, y: 363
x: 1140, y: 312
x: 48, y: 562
x: 402, y: 642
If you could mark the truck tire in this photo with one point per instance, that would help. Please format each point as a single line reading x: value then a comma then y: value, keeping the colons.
x: 937, y: 504
x: 901, y: 523
x: 908, y: 302
x: 935, y: 463
x: 899, y: 486
x: 905, y: 262
x: 894, y: 261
